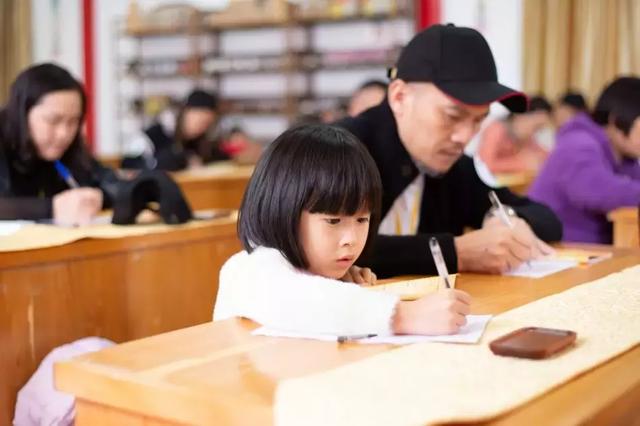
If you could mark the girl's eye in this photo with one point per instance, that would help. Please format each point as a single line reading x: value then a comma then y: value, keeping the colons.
x: 363, y: 220
x: 333, y: 220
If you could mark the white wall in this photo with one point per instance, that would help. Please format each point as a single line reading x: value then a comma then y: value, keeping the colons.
x: 106, y: 79
x: 57, y: 34
x: 500, y: 21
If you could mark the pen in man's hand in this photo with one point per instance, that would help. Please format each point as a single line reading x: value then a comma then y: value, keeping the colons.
x: 438, y: 259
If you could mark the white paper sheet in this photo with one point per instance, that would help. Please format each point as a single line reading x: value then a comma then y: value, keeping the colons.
x: 8, y: 227
x: 541, y: 268
x: 470, y: 333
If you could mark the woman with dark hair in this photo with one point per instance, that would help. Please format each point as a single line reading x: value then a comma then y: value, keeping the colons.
x: 186, y: 140
x: 310, y: 210
x: 510, y: 145
x: 45, y: 168
x: 594, y: 168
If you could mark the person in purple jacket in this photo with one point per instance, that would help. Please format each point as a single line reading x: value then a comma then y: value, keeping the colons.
x: 594, y: 168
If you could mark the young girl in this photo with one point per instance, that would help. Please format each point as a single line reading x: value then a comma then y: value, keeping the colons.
x: 40, y: 126
x: 310, y: 210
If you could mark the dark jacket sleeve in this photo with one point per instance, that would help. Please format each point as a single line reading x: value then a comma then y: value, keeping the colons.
x: 12, y: 207
x: 542, y: 220
x: 25, y: 208
x: 34, y: 208
x: 410, y: 255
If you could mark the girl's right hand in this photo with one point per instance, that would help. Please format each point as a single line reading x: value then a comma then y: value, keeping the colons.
x: 443, y: 312
x: 76, y: 206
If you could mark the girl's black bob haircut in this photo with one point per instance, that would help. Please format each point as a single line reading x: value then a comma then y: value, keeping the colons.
x: 318, y: 168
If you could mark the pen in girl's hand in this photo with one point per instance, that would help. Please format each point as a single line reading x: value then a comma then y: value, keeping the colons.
x: 343, y: 339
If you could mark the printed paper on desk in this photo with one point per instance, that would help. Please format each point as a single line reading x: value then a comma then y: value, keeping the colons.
x: 470, y: 333
x: 541, y: 268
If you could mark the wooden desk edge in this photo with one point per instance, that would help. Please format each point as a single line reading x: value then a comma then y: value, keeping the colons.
x: 623, y: 213
x: 88, y: 247
x: 166, y: 402
x: 565, y: 402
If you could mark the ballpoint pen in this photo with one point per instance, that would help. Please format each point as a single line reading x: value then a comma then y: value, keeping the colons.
x: 502, y: 213
x: 65, y: 174
x: 343, y: 339
x: 441, y: 266
x: 500, y: 210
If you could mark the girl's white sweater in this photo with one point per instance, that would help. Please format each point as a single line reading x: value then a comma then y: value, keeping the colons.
x: 264, y: 287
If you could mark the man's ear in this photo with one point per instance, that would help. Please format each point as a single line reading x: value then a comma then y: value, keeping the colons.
x: 397, y: 96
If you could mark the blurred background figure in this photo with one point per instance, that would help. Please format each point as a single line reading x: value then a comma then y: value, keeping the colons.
x: 567, y: 107
x: 594, y: 168
x: 185, y: 140
x: 46, y: 171
x: 369, y: 94
x: 510, y: 145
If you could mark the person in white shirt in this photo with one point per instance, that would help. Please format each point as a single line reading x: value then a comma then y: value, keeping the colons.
x: 311, y: 209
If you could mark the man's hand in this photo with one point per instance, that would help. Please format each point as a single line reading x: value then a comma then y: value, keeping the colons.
x: 496, y: 248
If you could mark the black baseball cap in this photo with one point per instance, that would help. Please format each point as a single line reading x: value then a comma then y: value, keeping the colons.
x: 459, y: 62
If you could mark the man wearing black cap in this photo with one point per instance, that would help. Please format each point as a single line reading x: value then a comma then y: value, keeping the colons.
x: 441, y: 90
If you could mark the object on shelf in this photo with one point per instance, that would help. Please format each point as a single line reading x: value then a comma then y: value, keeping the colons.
x: 250, y: 12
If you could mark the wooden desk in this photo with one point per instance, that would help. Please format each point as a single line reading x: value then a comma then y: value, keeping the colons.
x: 215, y: 187
x: 218, y: 373
x: 517, y: 182
x: 625, y: 227
x: 121, y: 289
x: 112, y: 161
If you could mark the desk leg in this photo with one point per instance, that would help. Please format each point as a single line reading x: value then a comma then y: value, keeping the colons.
x: 91, y: 414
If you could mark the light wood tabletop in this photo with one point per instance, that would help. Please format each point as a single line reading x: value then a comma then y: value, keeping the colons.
x: 119, y: 288
x: 218, y: 373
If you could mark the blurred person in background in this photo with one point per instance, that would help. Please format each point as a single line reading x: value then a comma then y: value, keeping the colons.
x: 369, y: 94
x: 185, y: 140
x: 567, y: 107
x: 46, y: 170
x: 594, y: 168
x: 510, y: 145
